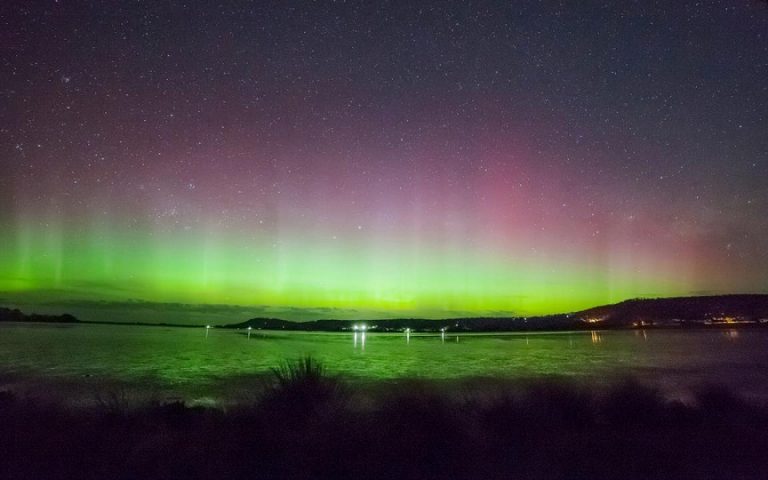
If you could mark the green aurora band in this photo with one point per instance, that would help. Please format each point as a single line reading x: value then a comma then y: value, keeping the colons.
x: 53, y: 264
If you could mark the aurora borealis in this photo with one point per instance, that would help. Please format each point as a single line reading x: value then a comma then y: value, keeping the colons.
x: 393, y: 158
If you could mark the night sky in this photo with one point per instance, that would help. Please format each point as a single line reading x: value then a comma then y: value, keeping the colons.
x: 382, y: 158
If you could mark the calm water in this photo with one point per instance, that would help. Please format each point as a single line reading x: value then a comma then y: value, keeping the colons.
x: 183, y: 362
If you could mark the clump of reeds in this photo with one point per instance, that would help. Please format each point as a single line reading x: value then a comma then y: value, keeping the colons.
x: 303, y: 387
x: 305, y: 370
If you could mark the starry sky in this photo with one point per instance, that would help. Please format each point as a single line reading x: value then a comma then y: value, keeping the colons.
x: 398, y: 158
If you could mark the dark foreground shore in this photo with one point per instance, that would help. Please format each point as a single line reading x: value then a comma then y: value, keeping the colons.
x: 307, y: 424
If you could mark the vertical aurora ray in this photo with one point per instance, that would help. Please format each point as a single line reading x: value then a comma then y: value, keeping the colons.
x: 370, y: 270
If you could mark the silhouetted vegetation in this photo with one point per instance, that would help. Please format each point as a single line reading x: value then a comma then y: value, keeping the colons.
x: 309, y: 424
x: 16, y: 315
x: 305, y: 384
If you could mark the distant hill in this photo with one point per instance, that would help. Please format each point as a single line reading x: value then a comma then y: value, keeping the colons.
x: 709, y: 310
x: 659, y: 312
x: 15, y: 315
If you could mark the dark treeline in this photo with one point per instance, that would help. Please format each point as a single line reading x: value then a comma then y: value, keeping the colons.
x: 307, y: 424
x: 15, y: 315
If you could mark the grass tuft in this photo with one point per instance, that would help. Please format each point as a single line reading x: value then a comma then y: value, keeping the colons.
x: 303, y: 388
x: 305, y: 370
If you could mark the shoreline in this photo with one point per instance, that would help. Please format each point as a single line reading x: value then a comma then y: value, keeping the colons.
x: 419, y: 332
x: 305, y: 423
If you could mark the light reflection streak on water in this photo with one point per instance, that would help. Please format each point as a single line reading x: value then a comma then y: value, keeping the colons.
x: 358, y: 339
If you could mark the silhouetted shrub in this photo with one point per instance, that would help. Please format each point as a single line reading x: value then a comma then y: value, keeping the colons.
x: 302, y: 389
x: 632, y: 404
x: 309, y: 425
